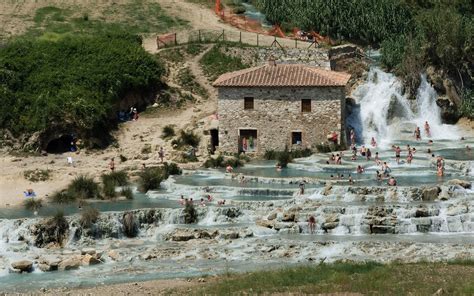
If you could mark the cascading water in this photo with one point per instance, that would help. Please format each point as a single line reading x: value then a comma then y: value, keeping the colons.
x: 385, y: 113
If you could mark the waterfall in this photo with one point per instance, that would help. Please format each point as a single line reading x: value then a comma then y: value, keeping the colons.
x: 385, y: 113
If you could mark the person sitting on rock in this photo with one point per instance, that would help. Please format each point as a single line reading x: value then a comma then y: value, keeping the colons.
x: 229, y: 169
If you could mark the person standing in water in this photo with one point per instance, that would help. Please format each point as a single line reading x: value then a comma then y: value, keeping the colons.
x: 397, y: 154
x: 353, y: 137
x: 427, y: 129
x: 417, y: 134
x: 373, y: 142
x: 311, y: 224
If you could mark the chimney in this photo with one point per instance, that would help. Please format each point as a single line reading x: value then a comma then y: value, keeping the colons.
x: 272, y: 61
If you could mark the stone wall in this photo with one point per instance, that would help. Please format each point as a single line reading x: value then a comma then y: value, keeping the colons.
x: 253, y: 56
x: 277, y: 113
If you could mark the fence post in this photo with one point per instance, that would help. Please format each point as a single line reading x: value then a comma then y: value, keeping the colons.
x: 175, y: 38
x: 199, y: 34
x: 296, y: 43
x: 240, y: 37
x: 223, y: 36
x: 257, y: 39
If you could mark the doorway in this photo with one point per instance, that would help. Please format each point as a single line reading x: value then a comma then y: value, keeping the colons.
x: 214, y: 140
x: 247, y: 140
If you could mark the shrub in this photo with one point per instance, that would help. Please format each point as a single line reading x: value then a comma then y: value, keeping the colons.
x: 130, y: 225
x: 53, y: 230
x: 123, y: 158
x: 190, y: 213
x: 84, y: 187
x: 282, y: 155
x: 108, y: 188
x: 168, y: 132
x: 127, y: 192
x: 119, y: 178
x: 37, y: 175
x: 32, y: 204
x: 189, y: 139
x: 214, y: 162
x: 284, y: 158
x: 89, y: 216
x: 62, y: 197
x: 171, y: 169
x: 151, y: 178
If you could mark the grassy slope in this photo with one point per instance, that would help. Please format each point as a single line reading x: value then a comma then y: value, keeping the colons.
x: 371, y: 278
x: 136, y: 17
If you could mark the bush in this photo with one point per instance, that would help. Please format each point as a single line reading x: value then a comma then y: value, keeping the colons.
x: 151, y: 178
x: 171, y: 169
x: 168, y: 132
x: 221, y: 162
x: 62, y: 197
x: 130, y: 225
x: 111, y: 180
x: 37, y: 175
x: 287, y: 155
x: 89, y: 216
x: 189, y: 139
x: 119, y: 178
x: 84, y: 187
x: 127, y: 192
x: 123, y: 158
x: 108, y: 189
x: 284, y: 158
x: 214, y: 162
x: 32, y: 204
x: 190, y: 213
x: 51, y: 231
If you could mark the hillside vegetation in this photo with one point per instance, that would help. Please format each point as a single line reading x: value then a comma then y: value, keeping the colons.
x: 412, y: 34
x: 71, y: 71
x: 71, y: 82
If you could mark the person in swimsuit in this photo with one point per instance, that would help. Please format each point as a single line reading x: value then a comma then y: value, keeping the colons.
x: 311, y: 223
x: 397, y: 154
x: 427, y: 129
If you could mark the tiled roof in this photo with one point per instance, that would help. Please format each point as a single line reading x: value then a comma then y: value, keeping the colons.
x: 282, y: 75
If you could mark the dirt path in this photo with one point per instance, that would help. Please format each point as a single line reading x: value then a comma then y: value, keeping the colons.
x: 203, y: 18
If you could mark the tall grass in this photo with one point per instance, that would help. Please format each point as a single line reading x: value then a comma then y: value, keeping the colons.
x: 111, y: 180
x: 32, y: 204
x: 151, y: 178
x: 84, y: 187
x: 365, y: 278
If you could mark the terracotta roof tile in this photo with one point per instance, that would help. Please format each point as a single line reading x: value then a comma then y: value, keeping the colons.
x: 282, y: 75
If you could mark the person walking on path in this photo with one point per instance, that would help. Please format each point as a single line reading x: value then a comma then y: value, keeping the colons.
x: 161, y: 154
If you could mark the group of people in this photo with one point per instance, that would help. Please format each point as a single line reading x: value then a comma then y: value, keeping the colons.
x: 203, y: 202
x: 132, y: 114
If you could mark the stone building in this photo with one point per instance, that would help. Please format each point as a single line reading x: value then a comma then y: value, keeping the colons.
x: 274, y: 106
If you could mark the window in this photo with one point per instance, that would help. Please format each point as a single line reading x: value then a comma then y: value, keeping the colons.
x: 248, y: 103
x: 296, y: 138
x: 305, y: 105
